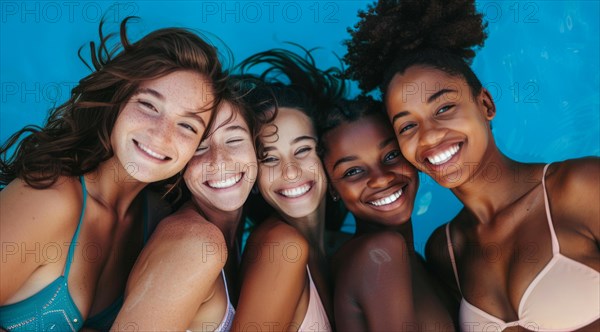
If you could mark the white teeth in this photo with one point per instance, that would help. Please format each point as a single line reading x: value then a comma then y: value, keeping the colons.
x: 387, y: 200
x: 443, y: 156
x: 225, y: 183
x: 295, y: 192
x: 150, y: 152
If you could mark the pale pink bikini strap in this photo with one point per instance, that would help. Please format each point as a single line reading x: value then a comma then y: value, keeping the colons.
x: 452, y: 259
x: 555, y: 245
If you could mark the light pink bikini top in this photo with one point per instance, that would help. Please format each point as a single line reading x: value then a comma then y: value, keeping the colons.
x: 564, y: 296
x: 316, y: 317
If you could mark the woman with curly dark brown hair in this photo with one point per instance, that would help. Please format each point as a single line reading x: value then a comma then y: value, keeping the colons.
x: 524, y: 251
x: 73, y: 221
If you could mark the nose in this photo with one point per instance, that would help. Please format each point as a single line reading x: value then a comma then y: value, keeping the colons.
x: 291, y: 171
x: 380, y: 179
x: 430, y: 134
x: 162, y: 129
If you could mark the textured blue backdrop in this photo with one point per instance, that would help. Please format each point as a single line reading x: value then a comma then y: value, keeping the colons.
x: 540, y: 62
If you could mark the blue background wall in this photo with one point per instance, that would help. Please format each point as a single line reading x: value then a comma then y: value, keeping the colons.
x: 540, y: 62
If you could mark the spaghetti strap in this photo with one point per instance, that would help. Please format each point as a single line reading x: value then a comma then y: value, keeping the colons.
x: 451, y: 253
x: 555, y: 245
x: 76, y: 235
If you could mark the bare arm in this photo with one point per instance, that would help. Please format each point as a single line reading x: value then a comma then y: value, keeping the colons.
x: 173, y: 276
x: 274, y: 278
x: 374, y: 286
x: 32, y: 219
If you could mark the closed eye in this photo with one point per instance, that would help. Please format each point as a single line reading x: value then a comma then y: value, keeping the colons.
x: 188, y: 127
x: 234, y: 140
x: 200, y: 150
x: 147, y: 105
x: 269, y: 160
x: 303, y: 151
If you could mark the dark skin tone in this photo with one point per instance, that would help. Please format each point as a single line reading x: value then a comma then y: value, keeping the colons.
x: 381, y: 283
x: 503, y: 230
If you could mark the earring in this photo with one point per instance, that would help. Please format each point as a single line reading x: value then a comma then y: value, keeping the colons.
x: 254, y: 189
x: 335, y: 198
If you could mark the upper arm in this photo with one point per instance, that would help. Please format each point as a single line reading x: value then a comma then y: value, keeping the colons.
x: 274, y: 278
x: 377, y: 279
x: 175, y: 272
x: 30, y: 220
x: 574, y: 190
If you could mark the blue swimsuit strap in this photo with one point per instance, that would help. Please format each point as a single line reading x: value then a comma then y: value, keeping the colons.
x: 76, y: 235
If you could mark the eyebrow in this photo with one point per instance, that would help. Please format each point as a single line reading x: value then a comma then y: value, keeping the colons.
x: 381, y: 145
x: 302, y: 138
x: 429, y: 101
x: 343, y: 160
x: 236, y: 127
x: 150, y: 92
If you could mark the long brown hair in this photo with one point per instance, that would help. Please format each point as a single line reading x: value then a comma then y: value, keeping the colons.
x: 76, y: 136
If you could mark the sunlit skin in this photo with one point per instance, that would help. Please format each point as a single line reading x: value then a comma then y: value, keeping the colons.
x: 222, y: 173
x: 181, y: 266
x: 445, y: 131
x: 156, y: 133
x: 394, y: 291
x: 436, y: 113
x: 291, y: 176
x: 275, y: 289
x: 160, y: 126
x: 365, y: 166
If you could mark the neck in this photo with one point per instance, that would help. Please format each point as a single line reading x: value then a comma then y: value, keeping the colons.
x: 113, y: 187
x: 496, y: 183
x: 228, y: 222
x: 405, y: 229
x: 312, y: 227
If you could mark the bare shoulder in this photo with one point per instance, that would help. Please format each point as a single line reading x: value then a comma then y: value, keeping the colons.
x: 365, y: 255
x: 186, y: 235
x: 47, y: 211
x: 274, y: 240
x: 573, y: 188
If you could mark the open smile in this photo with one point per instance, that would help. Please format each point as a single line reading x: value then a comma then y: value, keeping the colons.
x: 227, y: 183
x: 296, y: 191
x: 149, y: 152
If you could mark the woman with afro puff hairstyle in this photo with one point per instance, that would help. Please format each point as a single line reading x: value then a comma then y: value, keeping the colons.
x: 418, y: 53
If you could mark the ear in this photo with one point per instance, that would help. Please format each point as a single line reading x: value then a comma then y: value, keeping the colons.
x: 487, y: 103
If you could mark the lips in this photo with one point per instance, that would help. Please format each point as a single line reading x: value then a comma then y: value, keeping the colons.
x: 224, y: 184
x: 387, y: 199
x: 444, y: 156
x: 296, y: 191
x: 150, y: 152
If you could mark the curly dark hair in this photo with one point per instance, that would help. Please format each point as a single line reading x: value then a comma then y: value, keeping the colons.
x: 76, y: 136
x: 393, y: 35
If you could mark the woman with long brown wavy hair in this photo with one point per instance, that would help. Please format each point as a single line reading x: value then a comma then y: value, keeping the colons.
x: 73, y: 221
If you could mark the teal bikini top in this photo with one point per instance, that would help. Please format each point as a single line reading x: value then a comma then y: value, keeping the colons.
x: 52, y: 308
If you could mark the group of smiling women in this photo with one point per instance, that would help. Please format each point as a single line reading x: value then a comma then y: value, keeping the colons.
x: 142, y: 182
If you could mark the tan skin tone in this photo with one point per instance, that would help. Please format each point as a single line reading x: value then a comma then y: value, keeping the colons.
x: 176, y: 283
x: 161, y: 117
x: 507, y: 212
x: 275, y: 286
x: 380, y: 282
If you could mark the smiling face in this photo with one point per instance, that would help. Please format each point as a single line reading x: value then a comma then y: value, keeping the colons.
x: 369, y: 173
x: 441, y: 128
x: 160, y: 126
x: 291, y: 176
x: 224, y: 169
